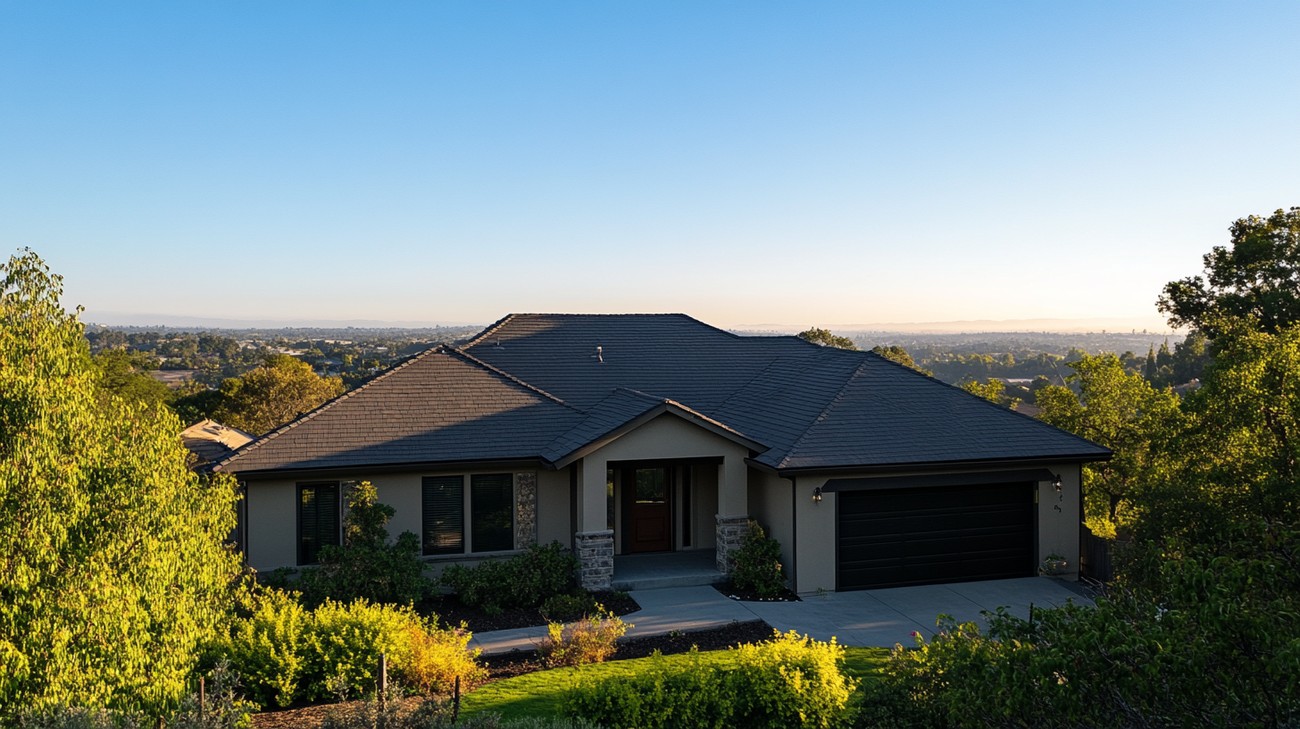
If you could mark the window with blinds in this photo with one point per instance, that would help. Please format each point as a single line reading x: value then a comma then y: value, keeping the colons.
x: 492, y: 510
x: 489, y: 525
x: 443, y: 502
x: 318, y: 519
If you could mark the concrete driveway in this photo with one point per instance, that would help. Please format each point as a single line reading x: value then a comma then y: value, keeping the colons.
x: 863, y: 618
x: 886, y: 617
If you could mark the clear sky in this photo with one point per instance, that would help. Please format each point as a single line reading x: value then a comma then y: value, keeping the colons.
x: 749, y: 163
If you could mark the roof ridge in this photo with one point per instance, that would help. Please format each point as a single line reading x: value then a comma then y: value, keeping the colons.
x: 490, y: 329
x: 261, y: 440
x: 506, y: 375
x: 839, y: 395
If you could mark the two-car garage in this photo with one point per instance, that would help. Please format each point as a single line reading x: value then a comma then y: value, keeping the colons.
x: 893, y: 532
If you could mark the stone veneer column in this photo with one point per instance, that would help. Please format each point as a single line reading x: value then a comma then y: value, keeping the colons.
x: 595, y: 558
x: 731, y: 532
x: 525, y: 510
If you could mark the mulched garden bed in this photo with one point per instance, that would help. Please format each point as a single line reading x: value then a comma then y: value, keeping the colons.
x: 451, y: 611
x: 515, y: 663
x: 732, y: 592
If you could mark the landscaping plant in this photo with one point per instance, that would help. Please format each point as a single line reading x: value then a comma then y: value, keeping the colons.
x: 591, y: 639
x: 367, y: 565
x: 524, y: 581
x: 756, y: 565
x: 283, y: 653
x: 788, y: 681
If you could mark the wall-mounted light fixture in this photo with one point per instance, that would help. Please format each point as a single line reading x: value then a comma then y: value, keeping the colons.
x: 1056, y: 482
x: 817, y: 495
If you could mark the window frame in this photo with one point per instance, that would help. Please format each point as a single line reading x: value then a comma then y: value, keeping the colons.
x: 467, y: 514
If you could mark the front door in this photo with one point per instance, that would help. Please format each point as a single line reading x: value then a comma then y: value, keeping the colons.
x: 648, y: 519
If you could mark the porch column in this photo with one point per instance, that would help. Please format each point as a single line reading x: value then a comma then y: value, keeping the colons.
x: 733, y: 509
x: 593, y: 542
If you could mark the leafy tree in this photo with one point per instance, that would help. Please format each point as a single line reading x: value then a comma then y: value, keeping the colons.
x: 825, y: 338
x: 275, y: 393
x: 126, y: 375
x: 195, y: 401
x: 1256, y: 279
x: 114, y: 567
x: 895, y: 353
x: 992, y: 389
x: 1123, y: 412
x: 1239, y: 456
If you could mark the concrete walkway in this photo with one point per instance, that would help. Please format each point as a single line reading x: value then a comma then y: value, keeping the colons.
x: 861, y: 618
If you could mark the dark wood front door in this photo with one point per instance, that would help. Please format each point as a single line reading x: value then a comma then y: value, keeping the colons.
x: 648, y: 519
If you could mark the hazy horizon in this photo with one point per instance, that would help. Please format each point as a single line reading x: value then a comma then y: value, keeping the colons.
x: 954, y: 327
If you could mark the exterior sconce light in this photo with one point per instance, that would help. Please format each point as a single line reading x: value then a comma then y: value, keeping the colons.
x: 1056, y: 483
x: 817, y: 495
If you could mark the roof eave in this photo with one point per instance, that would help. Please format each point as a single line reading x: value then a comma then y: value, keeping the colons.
x: 368, y: 469
x: 943, y: 465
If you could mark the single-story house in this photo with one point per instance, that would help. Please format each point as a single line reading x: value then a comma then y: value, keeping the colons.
x: 624, y: 434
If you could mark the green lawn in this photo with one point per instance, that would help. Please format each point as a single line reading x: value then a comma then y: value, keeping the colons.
x: 541, y: 693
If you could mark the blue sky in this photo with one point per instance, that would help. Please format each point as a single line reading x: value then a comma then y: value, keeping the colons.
x: 836, y: 164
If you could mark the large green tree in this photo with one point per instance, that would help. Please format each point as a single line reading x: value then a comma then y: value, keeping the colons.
x: 1256, y: 278
x: 1239, y: 455
x: 1123, y: 412
x: 113, y: 566
x: 269, y: 396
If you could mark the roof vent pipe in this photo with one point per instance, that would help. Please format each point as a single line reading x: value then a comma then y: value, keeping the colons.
x: 600, y: 354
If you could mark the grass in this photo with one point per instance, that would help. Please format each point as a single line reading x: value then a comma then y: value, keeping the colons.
x: 541, y: 694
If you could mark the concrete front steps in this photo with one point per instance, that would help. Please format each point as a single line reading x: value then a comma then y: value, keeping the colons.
x: 666, y: 569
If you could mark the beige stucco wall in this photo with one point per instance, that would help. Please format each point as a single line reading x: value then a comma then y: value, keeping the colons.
x: 704, y: 506
x: 815, y: 526
x: 272, y: 531
x: 666, y: 437
x: 770, y: 503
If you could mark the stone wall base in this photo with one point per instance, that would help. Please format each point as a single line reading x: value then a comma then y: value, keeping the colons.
x: 595, y: 551
x: 731, y: 533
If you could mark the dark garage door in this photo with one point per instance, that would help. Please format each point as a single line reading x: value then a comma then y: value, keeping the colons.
x: 918, y: 536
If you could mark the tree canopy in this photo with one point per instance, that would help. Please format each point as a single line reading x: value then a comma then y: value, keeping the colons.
x: 269, y: 396
x: 1123, y: 412
x: 114, y: 567
x: 1256, y: 278
x: 826, y: 338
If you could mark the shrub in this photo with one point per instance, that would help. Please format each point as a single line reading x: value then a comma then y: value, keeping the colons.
x: 756, y: 565
x: 568, y: 608
x: 282, y: 652
x: 345, y: 641
x: 788, y: 681
x: 437, y: 657
x: 267, y: 648
x: 589, y: 640
x: 1210, y: 640
x: 367, y: 566
x: 523, y: 581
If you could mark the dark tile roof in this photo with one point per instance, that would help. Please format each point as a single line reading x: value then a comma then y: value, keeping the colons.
x: 549, y: 385
x: 439, y: 406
